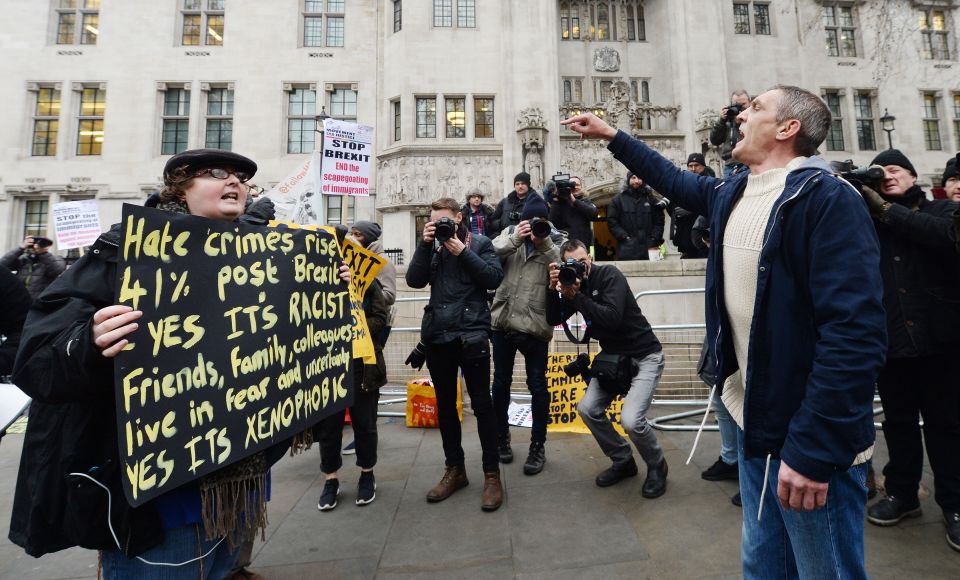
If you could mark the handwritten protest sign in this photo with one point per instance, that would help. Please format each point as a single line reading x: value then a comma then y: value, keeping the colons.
x: 245, y: 341
x: 565, y: 395
x: 347, y: 149
x: 76, y: 223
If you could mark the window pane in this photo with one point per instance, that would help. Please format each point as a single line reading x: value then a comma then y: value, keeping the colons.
x: 631, y: 24
x: 91, y: 4
x: 91, y: 29
x: 741, y: 18
x: 215, y: 30
x: 833, y: 44
x: 605, y: 90
x: 48, y: 102
x: 215, y: 5
x: 848, y: 42
x: 456, y: 118
x: 483, y: 117
x: 641, y: 24
x: 443, y: 13
x: 90, y: 138
x: 191, y: 4
x: 397, y: 15
x: 603, y: 22
x: 35, y: 218
x: 300, y: 135
x: 846, y: 16
x: 66, y: 24
x: 829, y: 16
x: 92, y: 102
x: 426, y: 118
x: 313, y: 6
x: 567, y: 92
x: 396, y: 120
x: 312, y: 30
x: 931, y: 135
x: 761, y: 17
x: 219, y: 134
x: 174, y: 139
x: 335, y: 31
x: 835, y: 136
x: 68, y: 3
x: 335, y: 6
x: 303, y: 102
x: 176, y: 102
x: 343, y: 103
x: 220, y: 102
x: 865, y: 136
x: 466, y: 13
x: 45, y: 137
x: 191, y: 29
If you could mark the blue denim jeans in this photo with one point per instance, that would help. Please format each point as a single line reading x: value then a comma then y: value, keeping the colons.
x: 534, y: 353
x: 180, y: 545
x: 728, y: 430
x: 824, y: 543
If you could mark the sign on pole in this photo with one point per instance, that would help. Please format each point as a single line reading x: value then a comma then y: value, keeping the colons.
x: 76, y: 223
x: 245, y: 341
x: 347, y: 151
x: 296, y: 198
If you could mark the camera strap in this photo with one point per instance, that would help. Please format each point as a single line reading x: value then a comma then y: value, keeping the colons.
x: 574, y: 339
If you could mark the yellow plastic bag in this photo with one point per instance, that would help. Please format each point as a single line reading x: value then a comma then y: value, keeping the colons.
x: 422, y: 404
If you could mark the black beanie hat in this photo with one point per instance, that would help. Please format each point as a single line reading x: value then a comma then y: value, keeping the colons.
x: 696, y: 158
x: 894, y: 157
x: 371, y: 231
x: 534, y: 207
x: 952, y: 169
x: 522, y: 177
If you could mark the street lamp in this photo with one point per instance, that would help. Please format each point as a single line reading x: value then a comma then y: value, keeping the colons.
x: 886, y: 123
x: 323, y: 116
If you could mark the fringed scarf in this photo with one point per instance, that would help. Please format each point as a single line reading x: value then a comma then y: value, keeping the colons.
x: 233, y: 500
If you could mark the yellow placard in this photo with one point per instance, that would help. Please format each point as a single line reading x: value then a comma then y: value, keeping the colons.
x: 565, y: 395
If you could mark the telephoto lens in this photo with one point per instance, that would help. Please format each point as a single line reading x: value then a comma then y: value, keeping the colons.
x: 445, y: 228
x: 540, y: 227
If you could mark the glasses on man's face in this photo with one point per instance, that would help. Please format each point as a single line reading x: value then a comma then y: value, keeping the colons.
x: 254, y: 190
x: 221, y: 173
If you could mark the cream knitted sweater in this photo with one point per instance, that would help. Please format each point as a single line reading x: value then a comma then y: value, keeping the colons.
x: 742, y: 242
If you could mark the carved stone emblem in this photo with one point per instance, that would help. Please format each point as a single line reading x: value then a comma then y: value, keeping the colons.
x: 530, y: 117
x: 606, y: 59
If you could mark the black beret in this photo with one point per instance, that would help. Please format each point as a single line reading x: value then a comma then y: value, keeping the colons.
x: 196, y: 159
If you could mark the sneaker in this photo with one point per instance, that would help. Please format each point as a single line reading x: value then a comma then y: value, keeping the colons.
x: 616, y: 473
x: 721, y: 470
x: 504, y: 449
x: 953, y: 530
x: 366, y: 488
x: 890, y: 510
x: 535, y: 460
x: 328, y: 497
x: 350, y: 449
x: 735, y: 500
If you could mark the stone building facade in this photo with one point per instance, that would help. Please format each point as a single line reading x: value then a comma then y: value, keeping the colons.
x: 461, y: 93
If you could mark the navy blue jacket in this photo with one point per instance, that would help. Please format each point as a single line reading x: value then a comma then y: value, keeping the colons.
x: 818, y: 336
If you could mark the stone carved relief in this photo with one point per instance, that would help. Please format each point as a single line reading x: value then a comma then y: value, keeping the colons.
x: 619, y: 113
x: 606, y: 59
x: 418, y: 180
x: 530, y: 117
x: 706, y: 119
x: 533, y: 164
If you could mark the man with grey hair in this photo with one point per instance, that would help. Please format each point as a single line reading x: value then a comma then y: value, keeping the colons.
x: 797, y: 328
x: 725, y: 134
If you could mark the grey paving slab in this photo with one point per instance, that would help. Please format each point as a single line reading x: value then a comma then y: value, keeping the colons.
x: 353, y: 569
x: 489, y: 569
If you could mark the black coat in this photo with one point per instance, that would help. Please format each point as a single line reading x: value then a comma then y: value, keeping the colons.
x: 484, y: 211
x: 574, y: 218
x: 458, y: 289
x: 637, y: 222
x: 36, y: 271
x: 16, y: 303
x: 681, y: 233
x: 921, y: 278
x: 509, y: 206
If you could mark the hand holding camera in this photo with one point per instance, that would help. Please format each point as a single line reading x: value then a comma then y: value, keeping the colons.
x: 730, y: 112
x: 568, y: 277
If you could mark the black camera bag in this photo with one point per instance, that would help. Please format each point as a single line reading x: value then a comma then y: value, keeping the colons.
x: 614, y: 372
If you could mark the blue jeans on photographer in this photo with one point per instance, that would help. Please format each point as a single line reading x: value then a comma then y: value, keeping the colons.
x: 534, y: 351
x: 824, y: 543
x: 728, y: 430
x: 633, y: 415
x: 180, y: 544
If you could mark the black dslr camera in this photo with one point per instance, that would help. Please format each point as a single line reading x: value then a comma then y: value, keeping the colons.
x: 564, y: 186
x: 514, y: 216
x: 579, y: 366
x: 540, y: 227
x: 444, y: 229
x: 571, y: 272
x: 733, y: 109
x: 871, y: 177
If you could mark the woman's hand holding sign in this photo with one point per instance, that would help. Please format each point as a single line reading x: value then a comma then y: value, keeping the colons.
x: 110, y: 325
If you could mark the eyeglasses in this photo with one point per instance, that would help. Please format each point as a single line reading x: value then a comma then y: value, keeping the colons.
x: 254, y: 190
x: 221, y: 173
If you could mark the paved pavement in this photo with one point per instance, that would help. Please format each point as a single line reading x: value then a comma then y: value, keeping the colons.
x: 554, y: 525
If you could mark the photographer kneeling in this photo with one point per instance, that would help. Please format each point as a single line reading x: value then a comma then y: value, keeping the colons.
x: 629, y: 365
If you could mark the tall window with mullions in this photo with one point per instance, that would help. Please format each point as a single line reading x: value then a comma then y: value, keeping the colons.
x: 46, y: 122
x: 301, y: 124
x: 219, y: 132
x: 35, y: 217
x: 176, y: 121
x: 93, y: 105
x: 835, y: 135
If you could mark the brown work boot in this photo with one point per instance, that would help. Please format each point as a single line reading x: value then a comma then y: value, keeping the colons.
x: 492, y: 491
x: 454, y: 478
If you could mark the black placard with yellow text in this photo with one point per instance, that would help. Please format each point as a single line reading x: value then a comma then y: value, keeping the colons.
x: 245, y: 340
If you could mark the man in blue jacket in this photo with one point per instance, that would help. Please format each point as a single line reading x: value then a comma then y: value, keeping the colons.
x: 794, y: 308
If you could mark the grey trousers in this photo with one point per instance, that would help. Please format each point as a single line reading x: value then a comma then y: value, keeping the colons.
x: 633, y: 417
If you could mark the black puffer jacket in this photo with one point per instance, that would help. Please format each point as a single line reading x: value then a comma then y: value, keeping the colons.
x: 470, y: 217
x: 574, y: 218
x: 36, y: 271
x: 458, y: 288
x: 636, y: 221
x: 921, y: 278
x: 509, y: 206
x: 16, y: 303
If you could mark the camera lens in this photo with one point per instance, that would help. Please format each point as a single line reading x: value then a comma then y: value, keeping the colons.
x: 540, y: 227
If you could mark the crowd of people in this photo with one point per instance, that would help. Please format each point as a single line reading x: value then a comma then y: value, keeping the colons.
x: 819, y: 293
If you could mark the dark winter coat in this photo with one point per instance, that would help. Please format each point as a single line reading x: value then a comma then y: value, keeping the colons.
x: 725, y: 135
x: 35, y: 271
x: 636, y: 221
x: 818, y: 336
x: 458, y: 288
x: 681, y: 232
x: 509, y: 206
x: 485, y: 211
x: 574, y: 218
x: 377, y: 312
x: 921, y: 278
x: 16, y: 303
